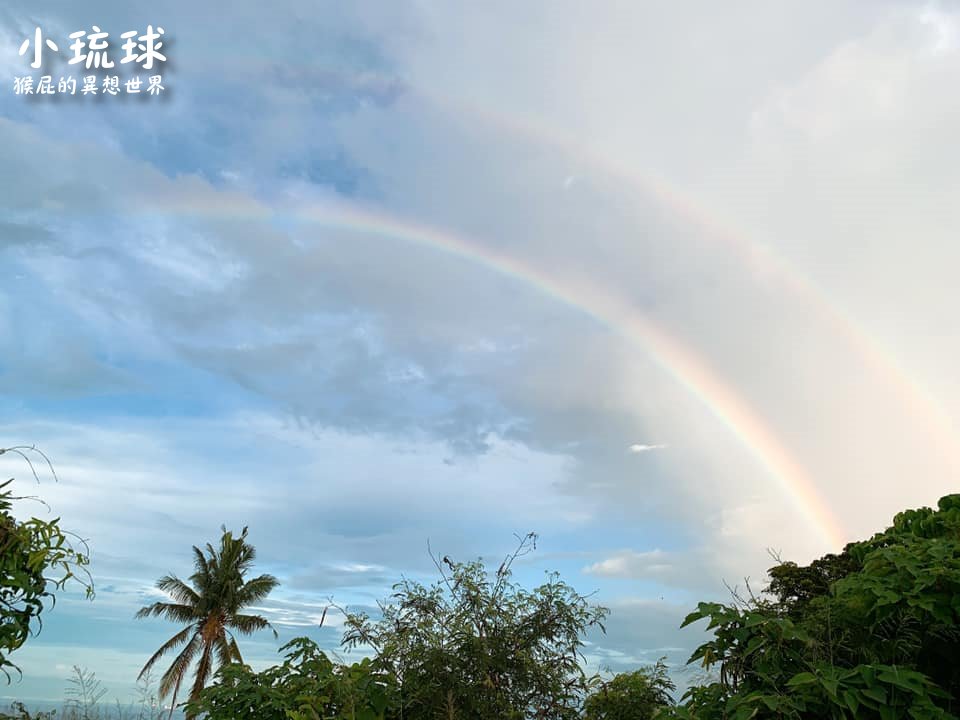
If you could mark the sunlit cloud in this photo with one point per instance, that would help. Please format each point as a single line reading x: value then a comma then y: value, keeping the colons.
x: 638, y: 448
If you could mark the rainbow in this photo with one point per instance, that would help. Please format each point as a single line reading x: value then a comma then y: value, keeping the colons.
x: 923, y: 408
x: 926, y: 412
x: 669, y: 354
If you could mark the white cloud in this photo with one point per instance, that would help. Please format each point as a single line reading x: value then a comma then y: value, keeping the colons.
x: 638, y: 448
x: 631, y: 564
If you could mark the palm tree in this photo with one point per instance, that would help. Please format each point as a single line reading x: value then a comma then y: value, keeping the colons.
x: 212, y: 606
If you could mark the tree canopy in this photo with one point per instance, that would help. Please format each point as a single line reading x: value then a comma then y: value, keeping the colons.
x: 873, y: 632
x: 477, y: 645
x: 306, y: 686
x: 636, y: 695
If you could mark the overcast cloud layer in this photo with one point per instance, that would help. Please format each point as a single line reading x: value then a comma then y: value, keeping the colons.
x: 194, y: 341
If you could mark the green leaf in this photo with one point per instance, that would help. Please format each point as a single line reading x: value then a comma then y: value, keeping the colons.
x: 804, y: 678
x: 850, y: 697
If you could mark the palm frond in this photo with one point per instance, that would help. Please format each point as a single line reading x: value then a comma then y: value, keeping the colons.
x: 201, y: 569
x: 171, y: 611
x: 204, y: 667
x: 173, y: 642
x: 225, y: 650
x: 255, y: 590
x: 178, y: 590
x: 235, y: 650
x: 199, y: 559
x: 249, y: 624
x: 179, y: 666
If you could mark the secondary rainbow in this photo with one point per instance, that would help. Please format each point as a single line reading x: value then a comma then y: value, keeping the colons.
x: 924, y: 409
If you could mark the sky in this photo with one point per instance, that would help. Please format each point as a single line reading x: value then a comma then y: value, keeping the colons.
x: 671, y: 284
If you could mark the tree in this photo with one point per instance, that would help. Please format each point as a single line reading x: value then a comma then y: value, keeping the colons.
x: 476, y: 645
x: 636, y: 695
x: 307, y: 686
x: 870, y: 634
x: 29, y: 550
x: 212, y: 607
x: 794, y: 586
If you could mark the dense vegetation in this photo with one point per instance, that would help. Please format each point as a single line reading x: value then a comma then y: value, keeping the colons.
x: 474, y: 644
x: 634, y: 695
x: 29, y: 551
x: 871, y: 633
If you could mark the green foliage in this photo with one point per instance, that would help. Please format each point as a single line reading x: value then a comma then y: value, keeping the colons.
x: 794, y: 586
x: 307, y: 686
x: 211, y: 606
x: 636, y: 695
x: 871, y: 633
x: 476, y: 645
x: 30, y: 551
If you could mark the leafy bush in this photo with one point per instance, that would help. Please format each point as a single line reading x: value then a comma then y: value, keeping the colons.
x: 28, y: 551
x: 476, y: 645
x: 636, y: 695
x: 871, y: 633
x: 307, y: 686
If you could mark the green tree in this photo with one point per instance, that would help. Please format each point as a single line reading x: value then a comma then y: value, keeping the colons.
x: 211, y: 606
x: 793, y: 587
x: 476, y: 645
x: 871, y: 633
x: 636, y: 695
x: 30, y: 550
x: 307, y: 686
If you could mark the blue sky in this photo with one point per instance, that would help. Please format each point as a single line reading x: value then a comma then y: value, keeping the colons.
x: 191, y: 351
